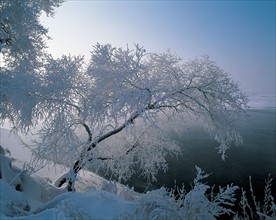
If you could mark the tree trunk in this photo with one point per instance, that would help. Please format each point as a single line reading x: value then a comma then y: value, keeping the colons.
x: 76, y: 168
x: 78, y: 165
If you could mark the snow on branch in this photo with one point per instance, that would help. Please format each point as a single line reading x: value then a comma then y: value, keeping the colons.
x: 83, y: 106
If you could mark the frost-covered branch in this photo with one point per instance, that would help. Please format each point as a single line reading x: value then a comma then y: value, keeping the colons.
x: 115, y: 97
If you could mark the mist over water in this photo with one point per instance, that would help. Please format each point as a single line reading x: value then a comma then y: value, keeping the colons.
x: 256, y: 157
x: 260, y: 101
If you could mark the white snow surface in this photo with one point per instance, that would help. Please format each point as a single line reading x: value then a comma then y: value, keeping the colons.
x: 95, y: 204
x: 22, y: 154
x: 96, y: 197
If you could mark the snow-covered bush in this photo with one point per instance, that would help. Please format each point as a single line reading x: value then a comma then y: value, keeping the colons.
x: 195, y: 204
x: 202, y: 203
x: 17, y: 208
x: 263, y: 210
x: 198, y: 206
x: 67, y: 210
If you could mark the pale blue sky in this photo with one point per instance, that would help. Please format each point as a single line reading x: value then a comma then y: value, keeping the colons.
x: 238, y: 35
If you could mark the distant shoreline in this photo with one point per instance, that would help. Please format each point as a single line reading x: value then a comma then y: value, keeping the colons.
x: 271, y: 109
x: 261, y: 101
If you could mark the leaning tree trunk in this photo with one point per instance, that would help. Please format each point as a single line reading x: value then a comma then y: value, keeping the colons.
x: 79, y: 164
x: 76, y: 168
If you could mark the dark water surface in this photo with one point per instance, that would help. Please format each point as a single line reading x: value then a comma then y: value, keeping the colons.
x: 255, y: 158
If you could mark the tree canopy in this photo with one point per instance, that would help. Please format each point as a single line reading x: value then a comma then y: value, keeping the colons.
x: 106, y: 112
x: 22, y: 55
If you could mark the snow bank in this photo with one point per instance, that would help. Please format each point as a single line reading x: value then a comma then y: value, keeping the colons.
x: 97, y: 204
x: 89, y: 205
x: 12, y: 202
x: 39, y: 199
x: 86, y: 180
x: 22, y: 154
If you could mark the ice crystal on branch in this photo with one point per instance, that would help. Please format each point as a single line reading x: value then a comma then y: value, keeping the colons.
x: 96, y: 113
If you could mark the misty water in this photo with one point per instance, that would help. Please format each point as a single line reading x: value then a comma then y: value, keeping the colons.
x: 256, y: 157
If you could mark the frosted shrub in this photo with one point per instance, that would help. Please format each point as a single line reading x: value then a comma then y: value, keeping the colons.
x: 17, y: 208
x: 269, y: 206
x: 66, y: 210
x: 198, y: 206
x: 195, y: 204
x: 265, y: 210
x: 159, y: 204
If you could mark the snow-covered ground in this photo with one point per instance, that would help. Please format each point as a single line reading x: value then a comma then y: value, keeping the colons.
x: 96, y: 197
x: 22, y: 154
x: 94, y: 204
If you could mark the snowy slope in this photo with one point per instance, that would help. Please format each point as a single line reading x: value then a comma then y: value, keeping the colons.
x: 95, y: 194
x: 96, y: 204
x: 22, y: 154
x: 85, y: 181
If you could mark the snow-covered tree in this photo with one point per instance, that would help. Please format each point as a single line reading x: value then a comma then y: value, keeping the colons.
x: 21, y: 34
x: 106, y: 113
x: 22, y: 54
